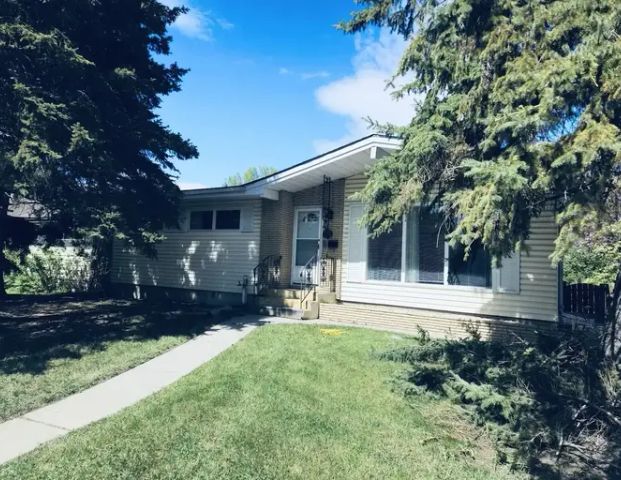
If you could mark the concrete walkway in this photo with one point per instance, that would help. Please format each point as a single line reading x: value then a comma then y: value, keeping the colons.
x: 25, y: 433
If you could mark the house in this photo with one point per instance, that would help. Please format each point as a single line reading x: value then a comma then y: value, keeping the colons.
x: 291, y: 244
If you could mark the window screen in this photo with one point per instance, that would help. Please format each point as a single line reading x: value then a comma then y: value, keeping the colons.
x: 201, y: 220
x: 227, y: 219
x: 475, y: 271
x: 384, y: 255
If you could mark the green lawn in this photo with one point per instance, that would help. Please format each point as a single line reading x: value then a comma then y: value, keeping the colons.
x: 288, y: 401
x: 51, y: 347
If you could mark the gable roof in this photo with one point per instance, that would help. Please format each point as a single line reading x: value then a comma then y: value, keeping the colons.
x: 344, y: 161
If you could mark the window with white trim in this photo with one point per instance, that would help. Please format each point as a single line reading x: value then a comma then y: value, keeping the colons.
x: 415, y: 251
x: 384, y: 255
x: 215, y: 220
x: 424, y: 246
x: 475, y: 270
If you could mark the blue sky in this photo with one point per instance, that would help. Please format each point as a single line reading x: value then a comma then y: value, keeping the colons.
x: 273, y: 83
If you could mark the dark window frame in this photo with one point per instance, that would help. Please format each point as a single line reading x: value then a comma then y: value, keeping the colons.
x: 236, y: 219
x: 203, y: 214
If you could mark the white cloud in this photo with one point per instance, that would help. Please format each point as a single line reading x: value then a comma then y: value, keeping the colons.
x: 364, y: 94
x: 311, y: 75
x: 304, y: 75
x: 196, y: 23
x: 189, y: 185
x: 225, y: 24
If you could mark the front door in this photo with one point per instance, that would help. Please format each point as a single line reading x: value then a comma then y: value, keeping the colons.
x: 306, y: 243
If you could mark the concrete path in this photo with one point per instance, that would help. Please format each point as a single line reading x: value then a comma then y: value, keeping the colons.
x: 25, y: 433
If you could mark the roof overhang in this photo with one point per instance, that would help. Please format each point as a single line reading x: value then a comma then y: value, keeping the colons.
x: 345, y: 161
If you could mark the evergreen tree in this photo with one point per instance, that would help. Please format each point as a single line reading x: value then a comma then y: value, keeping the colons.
x: 520, y: 110
x: 79, y: 86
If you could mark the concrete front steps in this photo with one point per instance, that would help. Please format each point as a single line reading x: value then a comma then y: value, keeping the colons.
x: 285, y: 302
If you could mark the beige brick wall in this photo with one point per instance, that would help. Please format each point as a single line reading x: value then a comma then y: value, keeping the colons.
x: 277, y: 232
x: 277, y: 225
x: 308, y: 197
x: 436, y: 323
x: 336, y: 225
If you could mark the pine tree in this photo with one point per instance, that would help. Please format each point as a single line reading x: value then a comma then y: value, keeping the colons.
x: 520, y: 110
x: 79, y: 86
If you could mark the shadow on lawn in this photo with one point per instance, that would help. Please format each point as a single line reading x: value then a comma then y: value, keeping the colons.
x: 35, y: 330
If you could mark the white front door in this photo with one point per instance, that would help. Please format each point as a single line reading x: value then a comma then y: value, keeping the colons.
x: 306, y: 243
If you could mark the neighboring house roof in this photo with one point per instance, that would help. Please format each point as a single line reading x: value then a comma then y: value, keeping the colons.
x: 26, y: 209
x: 341, y: 162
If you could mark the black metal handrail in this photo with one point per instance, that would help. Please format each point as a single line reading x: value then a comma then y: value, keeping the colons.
x: 307, y: 284
x: 327, y: 273
x: 267, y: 273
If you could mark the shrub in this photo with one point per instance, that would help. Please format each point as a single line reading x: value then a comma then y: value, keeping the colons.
x: 597, y: 264
x: 48, y: 270
x: 553, y: 405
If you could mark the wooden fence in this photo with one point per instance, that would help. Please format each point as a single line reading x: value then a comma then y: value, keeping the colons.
x: 585, y: 301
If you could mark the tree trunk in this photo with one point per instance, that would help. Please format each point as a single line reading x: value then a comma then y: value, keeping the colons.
x: 4, y: 212
x: 101, y: 259
x: 2, y: 262
x: 614, y: 314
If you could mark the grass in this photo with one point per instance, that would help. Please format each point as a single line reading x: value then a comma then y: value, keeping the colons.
x: 51, y: 347
x: 288, y: 401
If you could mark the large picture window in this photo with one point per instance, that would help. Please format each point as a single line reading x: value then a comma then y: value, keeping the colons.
x: 474, y: 271
x: 415, y: 251
x: 424, y: 247
x: 384, y: 255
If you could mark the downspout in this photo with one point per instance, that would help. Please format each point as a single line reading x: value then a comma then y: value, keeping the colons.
x: 244, y: 289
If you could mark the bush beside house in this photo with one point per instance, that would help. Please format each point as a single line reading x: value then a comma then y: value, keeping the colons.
x: 553, y: 405
x: 49, y: 270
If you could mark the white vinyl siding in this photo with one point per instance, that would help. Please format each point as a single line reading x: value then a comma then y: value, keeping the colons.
x: 534, y: 296
x: 214, y: 260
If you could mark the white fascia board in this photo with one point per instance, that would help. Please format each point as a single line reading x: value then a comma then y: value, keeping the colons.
x: 231, y: 193
x: 268, y: 187
x: 370, y: 144
x: 224, y: 193
x: 200, y: 192
x: 268, y: 193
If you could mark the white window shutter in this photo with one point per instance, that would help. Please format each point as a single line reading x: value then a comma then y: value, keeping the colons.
x: 246, y: 221
x: 506, y: 278
x: 357, y: 248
